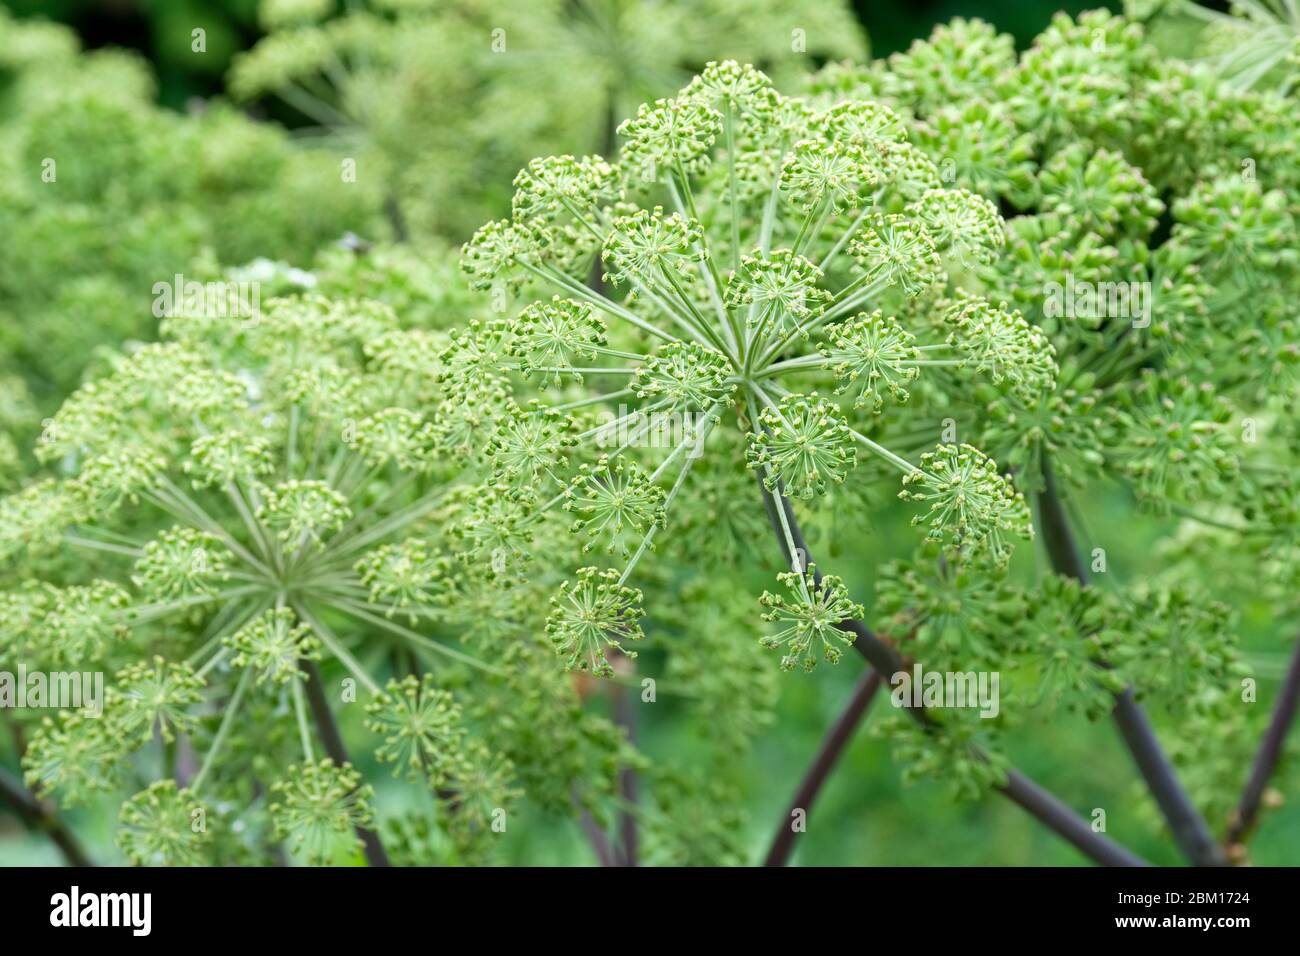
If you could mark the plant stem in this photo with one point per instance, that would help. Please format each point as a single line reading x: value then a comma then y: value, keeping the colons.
x: 595, y: 836
x: 223, y: 731
x: 332, y: 740
x: 1270, y: 750
x: 37, y: 815
x: 1040, y: 803
x: 828, y: 756
x: 1055, y: 815
x: 625, y: 717
x: 397, y: 221
x: 1185, y: 822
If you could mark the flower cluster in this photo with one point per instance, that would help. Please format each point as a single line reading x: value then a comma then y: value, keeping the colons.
x: 251, y: 508
x: 786, y: 251
x: 1141, y: 300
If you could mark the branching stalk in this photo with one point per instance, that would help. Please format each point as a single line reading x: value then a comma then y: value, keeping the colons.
x: 880, y: 655
x: 828, y: 755
x: 1243, y: 818
x: 332, y: 741
x: 1186, y: 822
x: 41, y: 818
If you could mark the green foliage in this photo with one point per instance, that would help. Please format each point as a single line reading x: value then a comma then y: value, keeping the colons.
x: 114, y: 196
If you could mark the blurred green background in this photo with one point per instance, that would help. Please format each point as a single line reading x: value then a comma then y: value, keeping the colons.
x: 160, y: 29
x: 865, y: 816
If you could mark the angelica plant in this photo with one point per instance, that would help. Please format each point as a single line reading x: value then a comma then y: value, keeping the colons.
x: 385, y: 569
x: 782, y: 279
x: 796, y: 271
x: 1151, y: 254
x: 17, y: 420
x: 272, y: 527
x: 748, y: 307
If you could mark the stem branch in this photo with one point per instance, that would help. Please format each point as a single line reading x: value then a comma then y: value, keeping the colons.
x: 36, y: 814
x: 828, y: 756
x: 1040, y: 803
x: 332, y: 741
x: 1188, y: 826
x: 1270, y: 750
